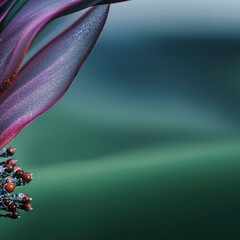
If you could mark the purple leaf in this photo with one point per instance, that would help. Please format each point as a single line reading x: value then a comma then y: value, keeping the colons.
x: 45, y: 79
x: 17, y: 37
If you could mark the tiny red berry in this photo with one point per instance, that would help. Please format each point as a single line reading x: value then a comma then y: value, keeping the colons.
x: 27, y: 207
x: 26, y: 199
x: 10, y: 151
x: 9, y: 187
x: 6, y: 201
x: 9, y: 168
x: 12, y: 161
x: 12, y: 207
x: 15, y: 215
x: 27, y: 177
x: 18, y: 173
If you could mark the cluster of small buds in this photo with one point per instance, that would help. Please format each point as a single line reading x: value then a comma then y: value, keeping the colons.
x: 12, y: 176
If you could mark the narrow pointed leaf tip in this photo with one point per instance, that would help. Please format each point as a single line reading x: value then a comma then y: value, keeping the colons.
x: 45, y: 79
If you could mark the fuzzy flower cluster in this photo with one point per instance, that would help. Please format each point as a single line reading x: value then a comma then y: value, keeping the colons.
x: 11, y: 177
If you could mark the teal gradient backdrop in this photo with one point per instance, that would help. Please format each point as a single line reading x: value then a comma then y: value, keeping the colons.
x: 146, y: 142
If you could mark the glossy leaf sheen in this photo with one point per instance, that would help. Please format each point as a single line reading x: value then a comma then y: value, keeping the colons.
x: 44, y: 80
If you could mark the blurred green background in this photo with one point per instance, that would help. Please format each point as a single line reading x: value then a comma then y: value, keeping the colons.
x: 146, y: 142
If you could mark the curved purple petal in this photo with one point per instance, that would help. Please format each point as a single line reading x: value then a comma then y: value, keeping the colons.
x: 17, y: 37
x: 45, y: 79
